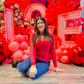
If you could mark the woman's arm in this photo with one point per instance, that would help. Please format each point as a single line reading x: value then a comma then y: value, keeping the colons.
x: 53, y: 53
x: 32, y: 49
x: 33, y: 69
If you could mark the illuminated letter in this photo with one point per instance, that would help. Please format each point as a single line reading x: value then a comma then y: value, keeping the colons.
x: 35, y: 6
x: 62, y: 30
x: 9, y: 24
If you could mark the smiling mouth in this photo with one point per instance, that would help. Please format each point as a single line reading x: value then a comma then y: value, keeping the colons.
x: 40, y: 27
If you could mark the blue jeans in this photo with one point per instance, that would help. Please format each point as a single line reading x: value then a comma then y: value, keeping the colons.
x: 41, y: 66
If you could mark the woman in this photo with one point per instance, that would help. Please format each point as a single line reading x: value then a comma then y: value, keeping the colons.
x: 41, y: 45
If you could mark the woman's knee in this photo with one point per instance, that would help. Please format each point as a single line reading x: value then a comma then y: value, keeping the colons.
x: 21, y: 68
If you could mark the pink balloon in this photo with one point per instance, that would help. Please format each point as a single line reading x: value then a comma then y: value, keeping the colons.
x: 28, y: 48
x: 25, y: 57
x: 27, y: 52
x: 59, y: 53
x: 19, y: 38
x: 65, y: 59
x: 13, y: 46
x: 23, y: 45
x: 18, y: 55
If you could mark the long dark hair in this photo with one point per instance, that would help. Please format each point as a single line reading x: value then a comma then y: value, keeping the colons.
x: 46, y: 33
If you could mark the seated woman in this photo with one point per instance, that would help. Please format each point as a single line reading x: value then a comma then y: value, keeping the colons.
x: 41, y: 45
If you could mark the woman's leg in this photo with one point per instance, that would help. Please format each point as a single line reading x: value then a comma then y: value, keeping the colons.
x: 23, y: 66
x: 41, y: 69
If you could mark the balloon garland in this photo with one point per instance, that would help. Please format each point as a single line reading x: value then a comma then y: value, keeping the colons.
x: 22, y: 3
x: 57, y: 7
x: 80, y: 39
x: 77, y: 55
x: 4, y: 50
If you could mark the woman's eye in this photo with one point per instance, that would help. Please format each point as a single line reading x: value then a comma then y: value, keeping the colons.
x: 37, y: 23
x: 41, y: 22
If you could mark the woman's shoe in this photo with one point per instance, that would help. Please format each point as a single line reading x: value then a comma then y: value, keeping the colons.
x: 15, y: 63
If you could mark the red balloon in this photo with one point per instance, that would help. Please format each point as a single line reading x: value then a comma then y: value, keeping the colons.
x: 19, y: 38
x: 82, y: 19
x: 67, y: 47
x: 62, y: 47
x: 65, y: 52
x: 2, y: 58
x: 13, y: 46
x: 77, y: 55
x: 10, y: 61
x: 25, y: 37
x: 65, y: 59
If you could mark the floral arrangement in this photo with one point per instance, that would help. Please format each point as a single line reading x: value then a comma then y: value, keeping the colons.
x: 18, y: 14
x: 20, y: 22
x: 2, y: 10
x: 19, y: 17
x: 4, y: 51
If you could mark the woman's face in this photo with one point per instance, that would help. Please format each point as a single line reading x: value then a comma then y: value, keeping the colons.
x: 40, y: 25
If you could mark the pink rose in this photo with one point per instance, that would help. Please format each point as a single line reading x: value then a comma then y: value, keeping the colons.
x: 19, y: 17
x: 21, y: 14
x: 25, y: 19
x: 1, y: 14
x: 15, y: 19
x: 16, y: 11
x: 2, y: 8
x: 1, y: 4
x: 22, y: 25
x: 11, y: 6
x: 16, y: 5
x: 2, y: 21
x: 25, y: 23
x: 16, y: 14
x: 32, y: 22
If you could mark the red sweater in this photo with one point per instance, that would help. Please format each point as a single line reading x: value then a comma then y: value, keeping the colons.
x: 41, y: 50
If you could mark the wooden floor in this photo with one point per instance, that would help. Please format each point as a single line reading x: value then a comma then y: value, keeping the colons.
x: 72, y: 75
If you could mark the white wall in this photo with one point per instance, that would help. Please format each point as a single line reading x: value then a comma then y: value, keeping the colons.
x: 82, y: 3
x: 2, y: 0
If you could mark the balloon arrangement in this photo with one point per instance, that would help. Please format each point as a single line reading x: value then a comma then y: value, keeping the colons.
x: 80, y: 39
x: 63, y: 54
x: 77, y: 55
x: 21, y: 23
x: 2, y: 10
x: 4, y: 50
x: 22, y: 3
x: 57, y: 7
x: 73, y: 22
x: 19, y: 48
x: 77, y: 52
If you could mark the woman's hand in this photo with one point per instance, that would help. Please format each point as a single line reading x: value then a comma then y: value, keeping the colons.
x: 32, y: 71
x: 56, y: 69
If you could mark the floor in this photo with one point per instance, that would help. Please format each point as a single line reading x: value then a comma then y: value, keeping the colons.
x: 70, y: 74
